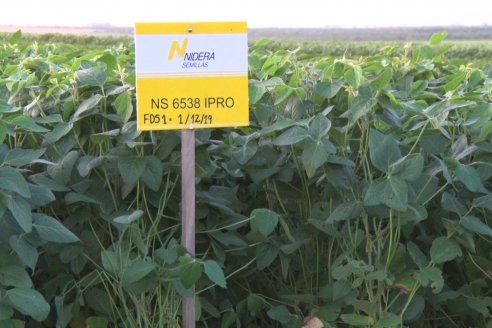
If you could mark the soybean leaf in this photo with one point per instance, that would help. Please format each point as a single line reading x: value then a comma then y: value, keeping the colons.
x: 6, y: 312
x: 483, y: 202
x: 476, y: 225
x: 110, y: 261
x: 124, y: 106
x: 190, y: 273
x: 40, y: 196
x: 14, y: 276
x: 214, y: 273
x: 437, y: 38
x: 131, y: 168
x: 264, y: 220
x: 319, y: 127
x: 26, y: 123
x: 136, y: 271
x: 265, y: 255
x: 408, y: 168
x: 129, y: 218
x: 20, y: 157
x: 52, y: 230
x: 450, y: 203
x: 29, y: 302
x: 328, y: 90
x: 96, y: 322
x: 431, y: 276
x: 315, y: 154
x: 98, y: 300
x: 357, y: 319
x: 93, y: 76
x: 392, y: 192
x: 353, y: 76
x: 86, y: 106
x: 383, y: 150
x: 243, y: 153
x: 152, y: 174
x: 21, y: 211
x: 25, y: 251
x: 470, y: 178
x: 345, y: 211
x: 59, y: 131
x: 444, y: 250
x: 389, y: 320
x: 279, y: 313
x: 382, y: 80
x: 11, y: 179
x: 417, y: 256
x: 291, y: 136
x: 361, y: 106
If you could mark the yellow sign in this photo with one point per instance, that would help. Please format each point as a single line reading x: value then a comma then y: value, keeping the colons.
x: 191, y: 75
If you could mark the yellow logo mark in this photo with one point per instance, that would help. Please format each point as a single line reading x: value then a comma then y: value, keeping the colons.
x: 178, y: 49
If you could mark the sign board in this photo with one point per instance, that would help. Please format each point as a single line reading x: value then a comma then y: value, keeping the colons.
x: 191, y: 75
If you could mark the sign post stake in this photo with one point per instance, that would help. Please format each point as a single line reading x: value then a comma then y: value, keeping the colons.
x: 191, y: 76
x: 188, y: 213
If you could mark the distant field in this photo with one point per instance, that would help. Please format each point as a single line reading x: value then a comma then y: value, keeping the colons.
x: 456, y: 33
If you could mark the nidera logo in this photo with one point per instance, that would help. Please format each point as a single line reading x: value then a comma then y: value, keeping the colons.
x: 194, y: 59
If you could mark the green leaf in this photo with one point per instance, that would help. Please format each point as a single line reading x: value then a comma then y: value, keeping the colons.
x: 437, y: 38
x: 214, y: 273
x: 392, y: 192
x: 483, y: 202
x: 264, y: 220
x: 328, y: 90
x: 25, y: 251
x: 265, y: 255
x: 383, y: 149
x: 319, y: 127
x: 124, y: 106
x: 58, y: 132
x: 96, y: 322
x: 11, y: 179
x: 291, y: 136
x: 21, y: 211
x: 357, y: 319
x: 6, y: 312
x: 129, y: 218
x: 279, y: 313
x: 190, y: 273
x: 94, y: 76
x: 476, y: 225
x: 431, y: 276
x: 15, y: 37
x: 417, y: 256
x: 26, y: 123
x: 382, y: 80
x: 360, y: 107
x: 450, y: 203
x: 99, y: 301
x: 389, y: 320
x: 52, y: 230
x: 444, y: 250
x: 346, y: 211
x: 314, y: 155
x: 86, y: 106
x: 255, y: 304
x: 408, y: 168
x: 40, y: 196
x: 243, y: 153
x: 255, y: 92
x: 110, y: 261
x: 20, y: 157
x: 131, y: 168
x: 470, y: 178
x: 14, y: 276
x: 136, y: 271
x: 3, y: 132
x: 353, y: 76
x: 29, y: 302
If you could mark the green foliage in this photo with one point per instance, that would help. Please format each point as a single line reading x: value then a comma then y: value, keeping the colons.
x: 359, y: 195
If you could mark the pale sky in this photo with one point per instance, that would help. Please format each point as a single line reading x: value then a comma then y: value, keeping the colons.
x: 257, y: 13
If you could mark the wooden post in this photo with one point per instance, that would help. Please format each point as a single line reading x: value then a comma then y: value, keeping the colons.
x: 188, y: 214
